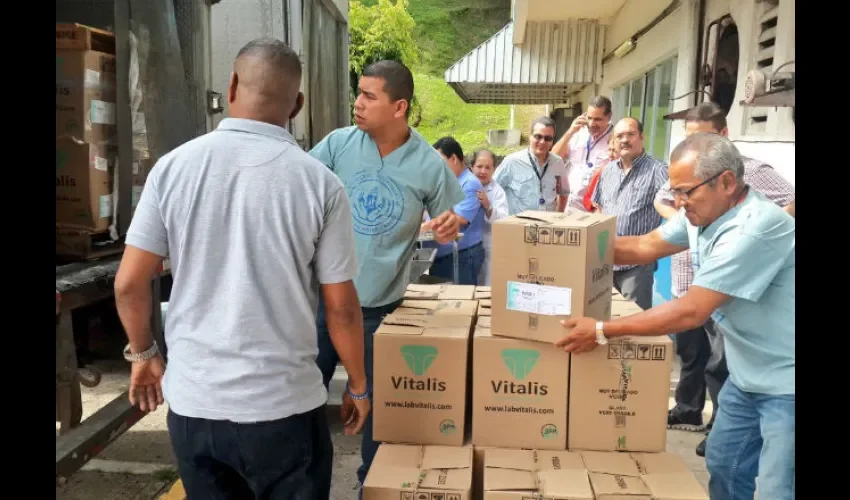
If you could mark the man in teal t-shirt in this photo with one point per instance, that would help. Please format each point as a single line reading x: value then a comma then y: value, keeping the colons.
x: 392, y: 175
x: 743, y: 254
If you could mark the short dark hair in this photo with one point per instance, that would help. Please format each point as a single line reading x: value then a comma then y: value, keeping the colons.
x: 276, y: 54
x: 449, y: 146
x: 543, y: 120
x: 639, y: 124
x: 707, y: 112
x: 602, y: 102
x: 398, y: 80
x: 480, y: 152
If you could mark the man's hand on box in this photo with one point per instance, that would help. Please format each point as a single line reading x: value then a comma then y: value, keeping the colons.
x: 581, y: 336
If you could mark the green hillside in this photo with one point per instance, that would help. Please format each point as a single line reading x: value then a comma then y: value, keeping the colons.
x: 445, y: 31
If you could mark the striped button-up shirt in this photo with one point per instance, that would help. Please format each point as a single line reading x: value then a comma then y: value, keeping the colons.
x: 630, y: 196
x: 759, y: 176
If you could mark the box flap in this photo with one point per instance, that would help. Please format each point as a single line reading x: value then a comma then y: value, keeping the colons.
x: 394, y: 329
x: 675, y: 486
x: 456, y: 307
x: 483, y: 289
x: 509, y: 480
x: 611, y: 484
x: 482, y: 294
x: 659, y: 463
x: 398, y: 455
x: 574, y: 219
x: 498, y: 458
x: 572, y: 484
x: 392, y: 476
x: 485, y: 303
x: 484, y: 321
x: 441, y: 292
x: 559, y: 460
x: 480, y: 331
x: 446, y: 479
x: 610, y: 462
x: 446, y: 457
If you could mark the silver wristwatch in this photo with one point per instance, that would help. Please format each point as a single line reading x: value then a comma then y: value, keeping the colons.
x: 145, y: 355
x: 600, y: 335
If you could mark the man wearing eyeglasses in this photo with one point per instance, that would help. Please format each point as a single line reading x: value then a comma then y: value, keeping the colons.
x: 626, y: 189
x: 535, y: 178
x: 743, y: 254
x: 703, y: 361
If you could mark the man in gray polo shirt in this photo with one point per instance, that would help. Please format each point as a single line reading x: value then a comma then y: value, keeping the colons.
x: 253, y: 227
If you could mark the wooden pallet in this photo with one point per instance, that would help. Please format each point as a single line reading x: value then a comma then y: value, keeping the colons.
x: 73, y: 245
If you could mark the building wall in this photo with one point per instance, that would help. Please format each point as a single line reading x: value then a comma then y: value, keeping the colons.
x: 676, y: 35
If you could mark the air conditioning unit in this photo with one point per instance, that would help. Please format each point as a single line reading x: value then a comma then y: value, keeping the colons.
x: 759, y: 84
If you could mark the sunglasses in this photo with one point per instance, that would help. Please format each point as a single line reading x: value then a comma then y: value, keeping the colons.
x: 545, y: 138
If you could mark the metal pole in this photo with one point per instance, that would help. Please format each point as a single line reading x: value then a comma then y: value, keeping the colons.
x: 124, y: 120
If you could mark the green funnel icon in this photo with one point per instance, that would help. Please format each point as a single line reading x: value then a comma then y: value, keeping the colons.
x: 419, y: 357
x: 602, y: 243
x: 520, y: 361
x: 61, y: 159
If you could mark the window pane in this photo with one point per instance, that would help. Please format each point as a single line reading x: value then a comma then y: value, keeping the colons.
x: 649, y: 124
x: 619, y: 102
x: 636, y: 101
x: 666, y: 84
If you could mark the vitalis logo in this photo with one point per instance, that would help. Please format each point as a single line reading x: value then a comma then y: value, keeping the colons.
x: 519, y: 362
x: 602, y: 246
x: 418, y: 358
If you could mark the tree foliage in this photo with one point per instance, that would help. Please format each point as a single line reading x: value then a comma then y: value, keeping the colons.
x: 383, y: 30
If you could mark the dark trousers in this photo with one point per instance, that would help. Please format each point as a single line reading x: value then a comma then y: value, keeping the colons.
x: 635, y: 284
x: 286, y: 459
x: 328, y: 359
x: 703, y: 367
x: 469, y: 262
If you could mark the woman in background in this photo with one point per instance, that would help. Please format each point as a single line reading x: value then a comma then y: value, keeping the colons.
x: 493, y: 201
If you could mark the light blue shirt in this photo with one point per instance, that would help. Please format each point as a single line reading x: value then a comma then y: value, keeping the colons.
x: 526, y: 182
x: 749, y: 254
x: 470, y: 209
x: 388, y: 197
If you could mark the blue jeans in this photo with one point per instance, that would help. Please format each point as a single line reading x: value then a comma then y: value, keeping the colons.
x: 753, y: 435
x: 328, y: 359
x: 469, y: 262
x: 222, y: 460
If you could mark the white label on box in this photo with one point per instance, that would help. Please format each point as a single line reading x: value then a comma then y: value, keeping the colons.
x: 539, y: 299
x: 100, y: 164
x: 137, y: 193
x: 92, y: 78
x: 103, y: 112
x: 106, y: 205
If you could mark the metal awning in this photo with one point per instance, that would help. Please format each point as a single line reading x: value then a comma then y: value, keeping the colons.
x: 556, y: 60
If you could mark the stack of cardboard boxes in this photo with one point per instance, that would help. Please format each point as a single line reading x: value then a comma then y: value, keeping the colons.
x: 87, y: 139
x: 473, y: 400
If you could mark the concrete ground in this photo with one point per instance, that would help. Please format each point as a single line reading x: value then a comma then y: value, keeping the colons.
x: 139, y: 465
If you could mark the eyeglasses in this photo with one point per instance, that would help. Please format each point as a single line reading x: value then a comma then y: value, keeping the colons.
x: 684, y: 195
x: 544, y: 138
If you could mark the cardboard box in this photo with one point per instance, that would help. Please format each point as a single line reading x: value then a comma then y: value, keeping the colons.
x: 548, y: 266
x: 440, y: 292
x: 619, y: 395
x: 84, y: 184
x: 438, y: 307
x: 641, y: 476
x: 420, y: 382
x: 668, y: 477
x: 85, y: 95
x: 485, y: 307
x: 73, y: 36
x: 482, y: 292
x: 84, y: 244
x: 522, y: 474
x: 519, y: 385
x: 411, y: 472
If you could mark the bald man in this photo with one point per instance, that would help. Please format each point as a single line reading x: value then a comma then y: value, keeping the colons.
x: 254, y: 227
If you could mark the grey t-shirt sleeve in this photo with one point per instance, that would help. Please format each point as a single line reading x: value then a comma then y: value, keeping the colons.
x: 336, y: 255
x: 147, y: 228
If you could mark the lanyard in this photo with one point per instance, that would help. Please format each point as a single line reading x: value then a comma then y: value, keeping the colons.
x: 539, y: 175
x: 593, y: 145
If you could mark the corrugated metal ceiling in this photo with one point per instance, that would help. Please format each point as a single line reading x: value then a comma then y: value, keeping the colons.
x: 557, y: 59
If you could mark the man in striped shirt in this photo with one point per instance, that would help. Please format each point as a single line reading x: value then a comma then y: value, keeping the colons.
x: 626, y: 189
x: 703, y: 360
